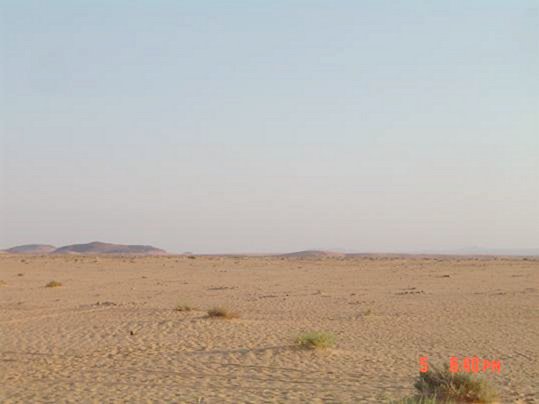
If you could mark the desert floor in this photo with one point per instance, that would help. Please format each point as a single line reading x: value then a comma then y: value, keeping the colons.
x: 111, y: 333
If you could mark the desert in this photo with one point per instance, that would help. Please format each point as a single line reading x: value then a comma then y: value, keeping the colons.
x: 120, y: 328
x: 210, y: 202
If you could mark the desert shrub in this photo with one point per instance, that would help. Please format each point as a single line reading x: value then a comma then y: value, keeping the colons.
x: 53, y: 284
x: 183, y: 307
x: 315, y: 340
x: 421, y: 400
x: 444, y: 386
x: 221, y: 312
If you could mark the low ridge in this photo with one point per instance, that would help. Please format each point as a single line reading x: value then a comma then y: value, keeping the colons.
x: 313, y: 253
x: 31, y: 249
x: 97, y: 247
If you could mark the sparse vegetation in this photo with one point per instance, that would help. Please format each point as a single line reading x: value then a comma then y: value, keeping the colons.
x: 221, y: 312
x: 315, y: 340
x: 443, y: 386
x: 183, y: 307
x: 53, y: 284
x: 421, y: 400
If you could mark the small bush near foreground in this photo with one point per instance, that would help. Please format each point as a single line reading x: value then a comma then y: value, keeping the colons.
x: 439, y: 386
x: 315, y: 340
x: 221, y: 312
x: 53, y: 284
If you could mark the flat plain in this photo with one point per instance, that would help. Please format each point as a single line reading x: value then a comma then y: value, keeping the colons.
x: 111, y: 333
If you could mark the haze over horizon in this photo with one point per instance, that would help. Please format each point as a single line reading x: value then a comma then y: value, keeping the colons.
x: 44, y: 248
x: 242, y: 127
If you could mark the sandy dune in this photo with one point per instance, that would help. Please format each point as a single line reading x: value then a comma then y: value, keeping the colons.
x: 110, y: 332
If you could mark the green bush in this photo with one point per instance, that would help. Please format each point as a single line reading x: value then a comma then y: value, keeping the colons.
x: 315, y: 340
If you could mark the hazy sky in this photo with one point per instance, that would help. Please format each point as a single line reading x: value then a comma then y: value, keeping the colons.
x: 238, y: 126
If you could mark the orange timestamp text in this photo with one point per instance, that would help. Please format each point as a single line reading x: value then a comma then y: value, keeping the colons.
x: 466, y: 364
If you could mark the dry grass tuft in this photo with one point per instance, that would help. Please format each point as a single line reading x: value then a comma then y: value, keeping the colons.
x: 315, y: 340
x: 53, y: 284
x: 221, y: 312
x: 421, y: 400
x: 183, y: 307
x: 444, y: 386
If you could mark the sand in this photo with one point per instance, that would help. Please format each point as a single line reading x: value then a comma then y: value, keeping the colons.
x: 110, y: 333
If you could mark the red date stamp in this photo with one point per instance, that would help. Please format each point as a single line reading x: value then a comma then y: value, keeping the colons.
x: 465, y: 365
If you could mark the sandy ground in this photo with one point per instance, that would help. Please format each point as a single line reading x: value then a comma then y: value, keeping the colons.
x: 111, y: 334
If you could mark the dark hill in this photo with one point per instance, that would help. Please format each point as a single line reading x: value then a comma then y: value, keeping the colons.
x: 31, y: 249
x: 97, y: 247
x: 313, y: 254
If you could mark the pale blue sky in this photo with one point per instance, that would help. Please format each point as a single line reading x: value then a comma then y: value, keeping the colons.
x: 243, y: 126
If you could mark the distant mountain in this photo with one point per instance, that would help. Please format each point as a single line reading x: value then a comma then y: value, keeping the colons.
x: 313, y: 254
x: 31, y: 249
x: 97, y: 247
